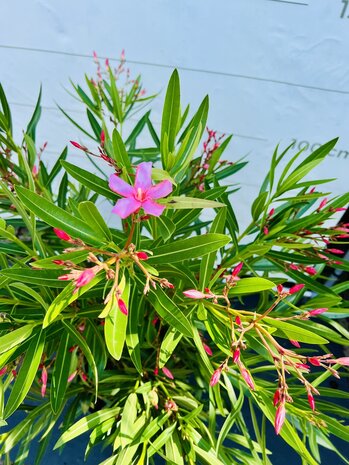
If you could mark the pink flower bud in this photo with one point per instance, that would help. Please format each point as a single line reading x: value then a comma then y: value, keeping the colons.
x: 238, y: 320
x: 295, y: 288
x: 265, y: 230
x: 343, y: 236
x: 194, y: 294
x: 310, y: 270
x: 303, y: 366
x: 317, y: 311
x: 343, y: 209
x: 78, y: 146
x: 322, y: 204
x: 14, y: 373
x: 35, y: 170
x: 167, y: 373
x: 271, y: 213
x: 142, y: 255
x: 335, y: 251
x: 65, y: 277
x: 276, y: 398
x: 314, y: 361
x: 207, y: 349
x: 3, y: 370
x: 312, y: 190
x: 44, y: 377
x: 107, y: 63
x: 62, y: 235
x: 279, y: 418
x: 122, y: 307
x: 72, y: 376
x: 216, y: 376
x: 206, y: 166
x: 83, y: 376
x: 311, y: 401
x: 236, y: 355
x: 156, y: 371
x: 237, y: 269
x: 102, y: 138
x: 247, y: 377
x: 295, y: 343
x: 85, y: 277
x: 58, y: 262
x: 292, y: 266
x: 342, y: 361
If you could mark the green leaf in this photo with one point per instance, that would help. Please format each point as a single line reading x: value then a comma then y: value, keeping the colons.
x: 129, y: 416
x: 295, y: 333
x: 120, y: 153
x: 36, y: 277
x: 186, y: 249
x: 26, y: 374
x: 189, y: 202
x: 90, y: 214
x: 61, y: 367
x: 75, y: 257
x: 165, y: 227
x: 168, y: 345
x: 86, y: 423
x: 170, y: 118
x: 16, y: 337
x: 251, y: 285
x: 259, y: 205
x: 89, y: 180
x: 31, y: 128
x: 134, y: 324
x: 169, y: 311
x: 116, y: 322
x: 57, y: 217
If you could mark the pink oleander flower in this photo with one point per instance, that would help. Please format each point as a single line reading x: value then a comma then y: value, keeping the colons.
x: 122, y: 307
x: 296, y: 288
x: 194, y: 294
x: 62, y: 234
x: 216, y: 376
x: 317, y: 311
x: 167, y: 373
x: 342, y: 361
x: 310, y: 270
x: 141, y: 195
x: 44, y: 377
x: 279, y: 418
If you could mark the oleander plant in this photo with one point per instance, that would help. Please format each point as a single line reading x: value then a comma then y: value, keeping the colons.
x: 172, y: 338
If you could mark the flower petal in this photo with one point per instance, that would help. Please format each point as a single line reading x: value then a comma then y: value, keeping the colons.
x: 143, y: 176
x: 119, y: 186
x: 153, y: 208
x: 160, y: 190
x: 125, y: 207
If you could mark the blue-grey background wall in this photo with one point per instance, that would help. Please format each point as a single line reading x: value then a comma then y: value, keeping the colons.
x: 275, y: 70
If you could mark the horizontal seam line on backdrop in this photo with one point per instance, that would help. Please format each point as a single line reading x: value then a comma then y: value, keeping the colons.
x: 30, y: 105
x: 289, y: 1
x: 182, y: 68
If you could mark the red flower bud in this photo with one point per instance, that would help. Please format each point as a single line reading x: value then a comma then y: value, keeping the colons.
x: 280, y: 288
x: 335, y: 251
x: 122, y: 307
x: 237, y: 269
x: 58, y: 262
x: 78, y: 146
x: 265, y: 230
x: 296, y: 288
x: 292, y: 266
x: 314, y: 361
x: 207, y: 349
x: 62, y: 235
x: 276, y: 398
x: 236, y: 355
x: 238, y: 320
x: 311, y: 401
x: 279, y: 418
x: 310, y: 270
x: 102, y: 138
x: 142, y: 255
x: 156, y: 371
x: 271, y: 213
x: 247, y: 377
x: 322, y: 204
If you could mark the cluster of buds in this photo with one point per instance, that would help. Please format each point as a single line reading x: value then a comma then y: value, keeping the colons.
x: 210, y: 145
x: 311, y: 270
x: 102, y: 154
